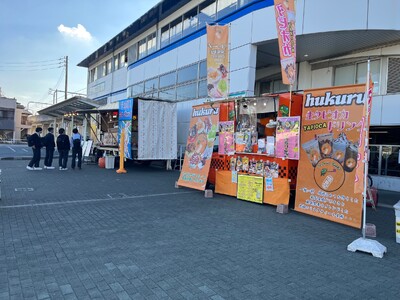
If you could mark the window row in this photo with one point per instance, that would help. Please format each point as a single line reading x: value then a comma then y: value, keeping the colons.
x: 186, y: 83
x: 206, y: 12
x: 119, y: 60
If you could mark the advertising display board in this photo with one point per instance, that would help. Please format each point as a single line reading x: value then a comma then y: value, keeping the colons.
x: 199, y: 148
x: 250, y: 188
x: 332, y: 122
x: 288, y: 137
x: 125, y: 124
x: 217, y: 61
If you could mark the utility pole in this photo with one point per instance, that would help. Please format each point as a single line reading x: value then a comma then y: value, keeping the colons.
x: 66, y: 76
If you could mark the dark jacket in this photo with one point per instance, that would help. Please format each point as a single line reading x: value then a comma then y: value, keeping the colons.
x: 63, y: 142
x: 48, y: 140
x: 36, y: 141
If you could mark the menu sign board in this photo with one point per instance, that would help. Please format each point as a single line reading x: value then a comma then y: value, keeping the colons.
x: 330, y: 136
x: 250, y: 188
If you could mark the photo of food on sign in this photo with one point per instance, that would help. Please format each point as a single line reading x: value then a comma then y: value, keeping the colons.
x: 217, y: 81
x: 332, y: 158
x: 200, y: 142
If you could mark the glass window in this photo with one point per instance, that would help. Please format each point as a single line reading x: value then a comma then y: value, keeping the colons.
x: 132, y: 54
x: 103, y: 69
x: 357, y: 73
x: 136, y: 89
x: 190, y: 21
x: 244, y: 2
x: 97, y: 73
x: 188, y: 91
x: 151, y: 85
x: 168, y: 94
x: 165, y: 36
x: 187, y: 74
x: 375, y: 68
x: 203, y: 89
x: 123, y: 59
x: 109, y: 66
x: 116, y: 62
x: 203, y: 69
x: 207, y: 13
x: 225, y: 7
x: 373, y: 164
x: 151, y: 43
x: 142, y: 48
x: 168, y: 79
x: 92, y: 74
x: 344, y: 75
x: 175, y: 30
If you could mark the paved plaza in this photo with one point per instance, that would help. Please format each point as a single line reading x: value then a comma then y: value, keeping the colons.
x: 95, y: 234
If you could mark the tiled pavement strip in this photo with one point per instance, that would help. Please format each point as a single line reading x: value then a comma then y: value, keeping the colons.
x: 97, y: 234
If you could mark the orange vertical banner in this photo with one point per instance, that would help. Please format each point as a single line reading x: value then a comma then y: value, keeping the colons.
x: 285, y: 15
x: 330, y: 138
x: 199, y: 146
x: 218, y: 61
x: 363, y: 144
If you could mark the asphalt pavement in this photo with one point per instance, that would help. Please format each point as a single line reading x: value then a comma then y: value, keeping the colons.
x: 96, y: 234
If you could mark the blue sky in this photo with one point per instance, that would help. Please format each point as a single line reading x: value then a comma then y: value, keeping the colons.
x: 35, y: 36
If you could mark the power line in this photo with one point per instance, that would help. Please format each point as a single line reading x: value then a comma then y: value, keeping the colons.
x: 31, y: 62
x: 30, y: 70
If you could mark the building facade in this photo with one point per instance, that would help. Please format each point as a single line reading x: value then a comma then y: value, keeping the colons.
x: 163, y: 55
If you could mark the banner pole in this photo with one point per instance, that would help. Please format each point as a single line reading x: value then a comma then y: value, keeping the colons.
x: 366, y: 135
x: 363, y: 244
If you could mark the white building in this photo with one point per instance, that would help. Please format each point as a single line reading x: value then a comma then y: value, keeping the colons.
x: 162, y: 54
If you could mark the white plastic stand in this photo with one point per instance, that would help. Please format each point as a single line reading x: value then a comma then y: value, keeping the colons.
x: 369, y: 246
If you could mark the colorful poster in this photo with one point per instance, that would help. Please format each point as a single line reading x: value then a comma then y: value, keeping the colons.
x: 226, y: 144
x: 250, y: 188
x: 125, y: 124
x: 199, y: 147
x: 218, y: 61
x: 330, y: 135
x: 285, y: 15
x: 288, y: 137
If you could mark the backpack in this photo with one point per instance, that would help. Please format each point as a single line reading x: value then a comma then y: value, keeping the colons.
x: 30, y: 140
x: 62, y: 142
x: 76, y: 143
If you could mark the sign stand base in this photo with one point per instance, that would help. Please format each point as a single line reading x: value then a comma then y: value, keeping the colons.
x: 367, y: 245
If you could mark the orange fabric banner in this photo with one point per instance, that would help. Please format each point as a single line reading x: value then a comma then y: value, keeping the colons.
x: 364, y: 136
x: 224, y: 184
x: 280, y: 194
x: 330, y: 135
x: 218, y: 61
x: 199, y: 146
x: 285, y: 15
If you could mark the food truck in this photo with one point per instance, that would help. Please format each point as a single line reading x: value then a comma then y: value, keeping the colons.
x: 150, y: 129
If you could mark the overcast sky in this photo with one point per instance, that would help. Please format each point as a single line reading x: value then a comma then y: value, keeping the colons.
x: 36, y: 35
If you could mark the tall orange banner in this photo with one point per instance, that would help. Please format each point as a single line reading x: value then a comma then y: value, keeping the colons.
x: 285, y: 15
x: 363, y: 147
x: 218, y: 61
x: 332, y: 124
x: 199, y: 146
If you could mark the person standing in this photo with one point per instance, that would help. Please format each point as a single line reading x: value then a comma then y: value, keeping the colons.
x: 35, y: 142
x: 76, y: 141
x: 63, y: 147
x: 50, y: 145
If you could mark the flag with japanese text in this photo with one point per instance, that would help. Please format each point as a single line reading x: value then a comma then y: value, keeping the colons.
x: 285, y: 15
